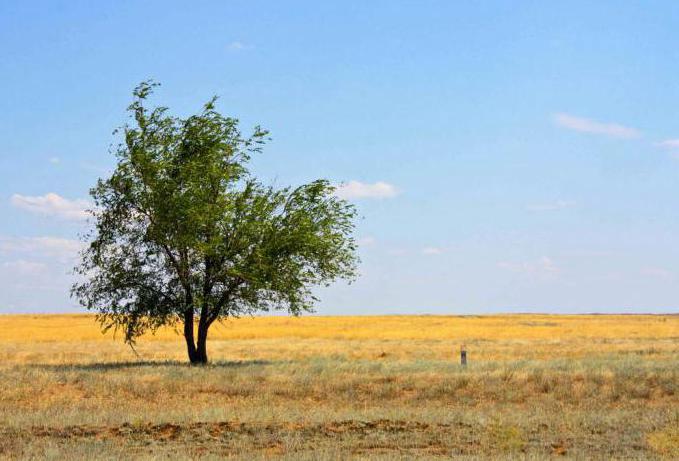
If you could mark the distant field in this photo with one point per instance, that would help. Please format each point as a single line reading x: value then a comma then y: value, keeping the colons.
x: 391, y: 387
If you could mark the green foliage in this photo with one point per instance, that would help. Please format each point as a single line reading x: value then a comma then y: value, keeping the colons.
x: 182, y: 229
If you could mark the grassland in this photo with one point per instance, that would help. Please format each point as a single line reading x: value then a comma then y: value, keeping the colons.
x: 537, y: 386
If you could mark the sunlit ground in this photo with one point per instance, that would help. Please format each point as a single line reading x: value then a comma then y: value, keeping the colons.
x: 330, y: 387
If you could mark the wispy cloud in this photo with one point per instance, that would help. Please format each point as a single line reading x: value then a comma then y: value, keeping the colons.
x: 237, y: 45
x: 360, y: 190
x: 411, y: 251
x: 52, y: 204
x: 586, y: 125
x: 668, y: 144
x: 23, y: 267
x: 432, y: 251
x: 365, y: 241
x: 45, y: 246
x: 552, y: 206
x: 36, y: 264
x: 542, y: 268
x: 54, y: 160
x: 656, y: 273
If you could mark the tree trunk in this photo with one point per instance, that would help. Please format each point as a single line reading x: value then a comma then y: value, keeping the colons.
x: 201, y: 346
x: 188, y: 335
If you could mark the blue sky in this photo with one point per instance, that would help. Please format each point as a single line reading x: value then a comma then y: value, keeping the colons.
x: 504, y: 156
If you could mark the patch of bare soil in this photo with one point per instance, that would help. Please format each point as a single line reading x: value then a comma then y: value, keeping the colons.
x: 361, y: 436
x: 391, y: 438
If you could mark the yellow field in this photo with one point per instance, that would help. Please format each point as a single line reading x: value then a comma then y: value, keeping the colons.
x: 591, y: 386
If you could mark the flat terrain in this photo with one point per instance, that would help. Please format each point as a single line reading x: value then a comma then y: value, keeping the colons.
x: 537, y: 386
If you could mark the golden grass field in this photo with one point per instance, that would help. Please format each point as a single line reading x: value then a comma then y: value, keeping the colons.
x: 390, y: 387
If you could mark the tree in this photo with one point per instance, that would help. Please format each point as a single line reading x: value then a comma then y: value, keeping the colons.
x: 183, y: 233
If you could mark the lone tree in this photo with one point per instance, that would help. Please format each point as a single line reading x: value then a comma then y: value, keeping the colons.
x: 184, y: 234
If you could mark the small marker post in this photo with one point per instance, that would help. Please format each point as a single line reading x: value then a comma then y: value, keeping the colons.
x: 463, y: 355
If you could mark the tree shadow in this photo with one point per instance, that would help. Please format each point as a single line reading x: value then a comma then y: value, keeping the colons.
x: 107, y: 366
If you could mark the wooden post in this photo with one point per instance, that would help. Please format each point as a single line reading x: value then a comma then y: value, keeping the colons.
x: 463, y: 355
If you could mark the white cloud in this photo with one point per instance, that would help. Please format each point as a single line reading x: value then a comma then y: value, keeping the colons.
x: 657, y: 273
x: 22, y: 267
x: 586, y: 125
x: 358, y: 190
x: 365, y: 241
x: 36, y: 272
x: 542, y: 268
x: 237, y: 45
x: 52, y: 204
x: 54, y: 160
x: 668, y: 144
x: 553, y: 206
x: 432, y: 251
x: 47, y: 246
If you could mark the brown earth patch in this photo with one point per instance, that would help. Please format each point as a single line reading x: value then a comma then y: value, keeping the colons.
x: 364, y: 436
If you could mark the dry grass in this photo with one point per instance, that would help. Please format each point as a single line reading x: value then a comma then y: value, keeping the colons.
x: 326, y: 388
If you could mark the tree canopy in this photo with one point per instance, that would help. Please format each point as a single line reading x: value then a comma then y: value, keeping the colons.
x: 183, y: 233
